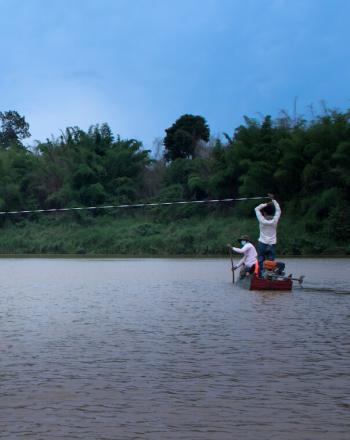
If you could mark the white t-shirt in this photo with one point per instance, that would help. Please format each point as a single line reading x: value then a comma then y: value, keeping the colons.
x: 268, y: 228
x: 249, y: 258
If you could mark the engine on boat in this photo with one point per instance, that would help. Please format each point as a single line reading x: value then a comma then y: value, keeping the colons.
x: 273, y: 269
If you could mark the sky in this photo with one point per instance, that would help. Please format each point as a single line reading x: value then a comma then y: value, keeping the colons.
x: 139, y: 65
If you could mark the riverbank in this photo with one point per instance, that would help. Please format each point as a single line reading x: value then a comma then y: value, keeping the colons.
x: 143, y: 236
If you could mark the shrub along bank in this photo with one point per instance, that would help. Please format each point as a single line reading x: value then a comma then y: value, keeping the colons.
x: 142, y: 235
x: 304, y: 163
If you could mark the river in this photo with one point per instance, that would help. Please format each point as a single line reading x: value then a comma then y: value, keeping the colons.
x: 109, y: 349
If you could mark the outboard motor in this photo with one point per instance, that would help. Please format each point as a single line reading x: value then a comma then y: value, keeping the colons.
x: 273, y: 269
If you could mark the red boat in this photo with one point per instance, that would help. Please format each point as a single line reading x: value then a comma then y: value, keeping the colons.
x: 257, y: 283
x: 253, y: 282
x: 273, y: 278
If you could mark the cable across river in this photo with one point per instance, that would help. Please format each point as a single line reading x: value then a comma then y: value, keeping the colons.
x: 135, y: 205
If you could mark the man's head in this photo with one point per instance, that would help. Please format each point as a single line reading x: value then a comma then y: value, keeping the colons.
x: 243, y: 239
x: 269, y: 211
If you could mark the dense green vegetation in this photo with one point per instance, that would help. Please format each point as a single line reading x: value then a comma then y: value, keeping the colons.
x: 305, y: 163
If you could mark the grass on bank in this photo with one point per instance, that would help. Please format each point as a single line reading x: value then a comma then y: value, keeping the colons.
x: 149, y: 235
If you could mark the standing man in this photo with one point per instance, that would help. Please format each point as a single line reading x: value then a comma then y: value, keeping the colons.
x: 268, y: 215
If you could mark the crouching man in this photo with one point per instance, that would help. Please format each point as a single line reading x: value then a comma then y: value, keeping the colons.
x: 248, y: 261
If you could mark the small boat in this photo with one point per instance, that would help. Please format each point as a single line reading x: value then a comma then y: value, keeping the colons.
x: 273, y: 278
x: 253, y: 282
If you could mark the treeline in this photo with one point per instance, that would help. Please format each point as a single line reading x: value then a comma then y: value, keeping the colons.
x: 305, y: 163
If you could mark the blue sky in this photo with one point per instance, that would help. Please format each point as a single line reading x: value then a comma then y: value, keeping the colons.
x: 141, y: 64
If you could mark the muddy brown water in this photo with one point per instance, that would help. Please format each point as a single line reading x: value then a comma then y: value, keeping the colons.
x: 170, y: 349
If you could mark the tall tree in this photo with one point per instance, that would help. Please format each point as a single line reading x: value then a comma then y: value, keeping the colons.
x: 13, y: 129
x: 184, y: 135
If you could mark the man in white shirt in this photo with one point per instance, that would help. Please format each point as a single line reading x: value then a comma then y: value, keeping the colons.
x: 248, y: 261
x: 268, y: 215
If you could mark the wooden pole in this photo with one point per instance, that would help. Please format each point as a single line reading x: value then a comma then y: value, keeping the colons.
x: 232, y: 265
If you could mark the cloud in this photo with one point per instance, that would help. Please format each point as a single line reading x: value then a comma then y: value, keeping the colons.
x: 58, y: 105
x: 140, y: 65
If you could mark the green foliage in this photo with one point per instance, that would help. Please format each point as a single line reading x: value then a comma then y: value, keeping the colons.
x: 184, y: 135
x: 338, y: 225
x: 142, y: 235
x: 13, y: 129
x: 306, y: 164
x: 88, y: 168
x: 172, y: 193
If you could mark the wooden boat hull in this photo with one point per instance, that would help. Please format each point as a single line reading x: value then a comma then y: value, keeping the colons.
x: 254, y: 283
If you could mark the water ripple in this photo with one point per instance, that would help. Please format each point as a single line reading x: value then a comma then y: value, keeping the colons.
x: 169, y: 349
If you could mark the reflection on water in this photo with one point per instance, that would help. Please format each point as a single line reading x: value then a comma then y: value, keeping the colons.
x: 170, y: 349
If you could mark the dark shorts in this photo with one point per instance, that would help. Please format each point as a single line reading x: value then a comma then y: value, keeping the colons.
x: 246, y: 269
x: 265, y: 252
